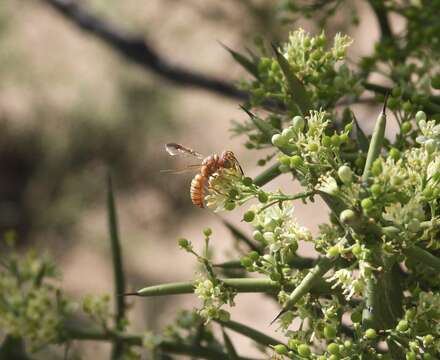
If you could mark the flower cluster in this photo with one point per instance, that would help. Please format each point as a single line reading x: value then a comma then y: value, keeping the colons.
x: 214, y: 295
x: 279, y: 235
x: 31, y: 308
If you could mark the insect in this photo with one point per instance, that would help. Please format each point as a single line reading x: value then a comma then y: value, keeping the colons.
x: 208, y: 166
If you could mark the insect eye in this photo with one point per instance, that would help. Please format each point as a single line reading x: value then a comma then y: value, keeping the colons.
x: 227, y: 163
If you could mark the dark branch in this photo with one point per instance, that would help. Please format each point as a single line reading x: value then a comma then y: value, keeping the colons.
x: 135, y: 48
x: 382, y: 17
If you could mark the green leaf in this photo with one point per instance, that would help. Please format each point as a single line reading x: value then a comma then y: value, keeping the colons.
x: 261, y: 125
x: 361, y: 137
x: 118, y: 270
x: 246, y: 63
x: 249, y: 332
x: 296, y: 88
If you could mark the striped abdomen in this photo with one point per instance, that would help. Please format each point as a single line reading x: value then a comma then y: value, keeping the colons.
x: 197, y: 190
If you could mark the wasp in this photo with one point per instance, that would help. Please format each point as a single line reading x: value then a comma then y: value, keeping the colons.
x: 209, y: 165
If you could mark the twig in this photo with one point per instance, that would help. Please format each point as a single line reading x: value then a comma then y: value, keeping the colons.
x: 137, y: 340
x: 382, y: 17
x: 136, y: 49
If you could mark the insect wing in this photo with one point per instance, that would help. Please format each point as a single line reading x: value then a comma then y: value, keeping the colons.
x: 174, y: 149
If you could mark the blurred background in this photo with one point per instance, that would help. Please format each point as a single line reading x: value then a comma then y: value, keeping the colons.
x: 73, y: 105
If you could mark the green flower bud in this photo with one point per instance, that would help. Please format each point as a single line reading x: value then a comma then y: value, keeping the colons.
x: 326, y: 141
x: 293, y: 343
x: 262, y: 197
x: 343, y: 138
x: 335, y: 140
x: 298, y: 123
x: 284, y: 160
x: 376, y: 189
x: 420, y: 115
x: 410, y: 314
x: 249, y: 216
x: 370, y: 334
x: 281, y: 349
x: 394, y: 154
x: 261, y: 162
x: 411, y: 356
x: 333, y: 251
x: 258, y: 236
x: 348, y: 344
x: 246, y: 261
x: 345, y: 174
x: 304, y: 350
x: 367, y: 204
x: 402, y: 325
x: 333, y: 349
x: 279, y: 140
x: 356, y: 317
x: 207, y: 232
x: 288, y: 133
x: 295, y: 161
x: 357, y: 250
x: 428, y: 340
x: 233, y: 194
x: 347, y: 216
x: 183, y: 243
x: 406, y: 127
x: 330, y: 332
x: 247, y: 181
x: 229, y: 206
x: 376, y: 167
x: 407, y: 107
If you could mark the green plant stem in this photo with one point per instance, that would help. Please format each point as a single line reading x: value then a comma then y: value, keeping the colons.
x: 137, y: 340
x: 424, y: 257
x: 298, y: 262
x: 240, y: 236
x: 267, y: 175
x: 240, y: 285
x: 118, y: 270
x: 324, y: 264
x: 249, y: 332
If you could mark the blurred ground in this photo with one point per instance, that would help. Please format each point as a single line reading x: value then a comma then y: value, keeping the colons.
x: 70, y: 107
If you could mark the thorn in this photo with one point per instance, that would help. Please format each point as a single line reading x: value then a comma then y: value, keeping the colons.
x: 129, y: 294
x: 282, y: 312
x: 387, y: 95
x: 247, y: 111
